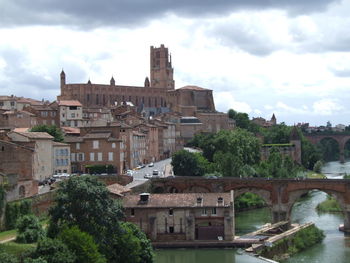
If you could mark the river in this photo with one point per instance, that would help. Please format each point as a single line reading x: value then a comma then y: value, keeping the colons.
x: 334, y: 248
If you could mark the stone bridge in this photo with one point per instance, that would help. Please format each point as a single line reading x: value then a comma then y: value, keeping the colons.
x: 340, y: 138
x: 279, y: 194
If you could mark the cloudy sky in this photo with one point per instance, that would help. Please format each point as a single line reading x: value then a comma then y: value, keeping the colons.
x: 288, y: 57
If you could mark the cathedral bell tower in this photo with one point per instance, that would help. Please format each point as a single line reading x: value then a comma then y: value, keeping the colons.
x: 161, y: 68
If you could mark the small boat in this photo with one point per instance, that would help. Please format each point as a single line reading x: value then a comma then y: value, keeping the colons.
x: 341, y: 227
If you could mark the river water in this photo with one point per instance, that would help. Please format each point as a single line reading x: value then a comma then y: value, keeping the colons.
x: 335, y: 248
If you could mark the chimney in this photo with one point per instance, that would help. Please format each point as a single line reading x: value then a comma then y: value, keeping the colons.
x: 144, y: 197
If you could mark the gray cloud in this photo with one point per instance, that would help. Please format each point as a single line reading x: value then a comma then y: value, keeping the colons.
x: 19, y: 78
x: 92, y: 13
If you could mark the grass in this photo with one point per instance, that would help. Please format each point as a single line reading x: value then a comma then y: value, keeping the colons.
x: 329, y: 205
x: 313, y: 175
x: 8, y: 234
x: 16, y: 249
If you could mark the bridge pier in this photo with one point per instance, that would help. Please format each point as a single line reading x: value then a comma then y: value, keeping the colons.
x: 280, y: 213
x: 347, y: 221
x: 342, y: 156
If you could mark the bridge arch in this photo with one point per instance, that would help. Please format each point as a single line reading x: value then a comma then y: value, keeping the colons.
x: 340, y: 138
x: 264, y: 194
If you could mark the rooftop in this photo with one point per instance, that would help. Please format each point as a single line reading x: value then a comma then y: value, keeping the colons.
x: 178, y: 200
x: 69, y: 103
x: 192, y: 87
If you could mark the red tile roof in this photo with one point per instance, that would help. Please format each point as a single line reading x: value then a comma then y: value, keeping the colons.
x: 118, y: 189
x: 69, y: 103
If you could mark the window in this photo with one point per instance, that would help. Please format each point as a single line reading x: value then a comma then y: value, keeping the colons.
x: 81, y: 157
x: 171, y: 212
x: 92, y: 156
x: 132, y: 212
x: 95, y: 144
x: 22, y: 191
x: 1, y: 103
x: 72, y: 157
x: 110, y: 156
x: 77, y: 146
x: 213, y: 211
x: 12, y: 103
x: 2, y: 148
x: 99, y: 157
x: 204, y: 212
x: 72, y: 115
x: 44, y: 114
x: 53, y: 114
x: 113, y: 145
x: 171, y: 229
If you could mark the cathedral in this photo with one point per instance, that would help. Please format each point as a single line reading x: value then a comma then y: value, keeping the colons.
x: 157, y: 95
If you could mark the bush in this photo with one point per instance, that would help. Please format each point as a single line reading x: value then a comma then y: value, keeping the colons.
x: 6, y: 258
x: 37, y: 260
x: 82, y: 244
x: 29, y: 229
x: 53, y: 251
x: 15, y: 210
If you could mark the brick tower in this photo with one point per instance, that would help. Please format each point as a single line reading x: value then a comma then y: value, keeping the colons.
x: 161, y: 68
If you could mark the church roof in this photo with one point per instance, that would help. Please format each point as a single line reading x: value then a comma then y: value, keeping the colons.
x: 192, y: 87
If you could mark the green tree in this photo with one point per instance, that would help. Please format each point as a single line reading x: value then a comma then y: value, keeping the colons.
x: 53, y: 251
x: 277, y: 134
x: 36, y: 260
x: 29, y: 229
x: 7, y: 258
x: 186, y: 163
x: 82, y: 244
x: 85, y: 202
x: 50, y: 129
x: 318, y: 166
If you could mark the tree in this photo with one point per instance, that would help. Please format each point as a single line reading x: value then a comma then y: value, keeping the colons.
x: 50, y: 129
x: 29, y: 229
x: 186, y: 163
x: 82, y: 244
x: 85, y: 202
x: 7, y: 258
x: 53, y: 251
x: 318, y: 166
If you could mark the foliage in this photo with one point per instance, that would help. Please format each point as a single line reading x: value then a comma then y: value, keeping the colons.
x: 36, y: 260
x: 2, y: 199
x: 248, y: 201
x: 277, y: 134
x: 146, y: 252
x: 235, y: 149
x: 329, y: 205
x: 7, y: 258
x: 82, y: 244
x: 100, y: 168
x: 53, y: 251
x: 186, y: 163
x: 330, y: 149
x: 242, y: 121
x: 318, y: 166
x: 346, y: 176
x: 277, y: 166
x: 15, y: 210
x: 213, y: 174
x: 85, y: 202
x: 29, y: 229
x: 50, y: 129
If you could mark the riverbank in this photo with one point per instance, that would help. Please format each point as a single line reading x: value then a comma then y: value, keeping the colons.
x: 330, y: 205
x: 291, y: 242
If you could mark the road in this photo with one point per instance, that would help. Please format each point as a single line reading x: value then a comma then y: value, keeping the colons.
x: 161, y: 166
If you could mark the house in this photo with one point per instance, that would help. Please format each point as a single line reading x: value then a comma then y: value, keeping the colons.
x: 61, y: 158
x: 182, y: 216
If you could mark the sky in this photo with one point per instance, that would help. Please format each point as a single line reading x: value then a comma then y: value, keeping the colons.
x: 288, y: 57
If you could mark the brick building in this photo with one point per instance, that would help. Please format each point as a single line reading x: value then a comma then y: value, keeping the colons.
x: 181, y: 217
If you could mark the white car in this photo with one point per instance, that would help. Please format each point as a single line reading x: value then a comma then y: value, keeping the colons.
x: 129, y: 172
x: 150, y: 164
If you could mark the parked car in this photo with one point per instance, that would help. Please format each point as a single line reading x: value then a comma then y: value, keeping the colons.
x: 150, y: 164
x: 129, y: 172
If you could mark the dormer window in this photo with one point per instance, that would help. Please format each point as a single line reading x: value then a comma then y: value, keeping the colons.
x: 199, y: 200
x: 220, y: 201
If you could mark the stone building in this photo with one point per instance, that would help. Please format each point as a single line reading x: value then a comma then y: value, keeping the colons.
x: 61, y: 158
x: 41, y: 143
x: 70, y: 113
x: 17, y: 119
x: 182, y: 217
x: 17, y: 167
